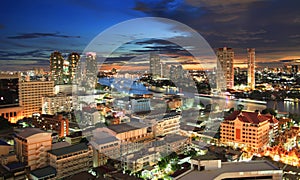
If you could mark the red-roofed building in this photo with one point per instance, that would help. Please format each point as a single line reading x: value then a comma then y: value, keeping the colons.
x: 245, y: 129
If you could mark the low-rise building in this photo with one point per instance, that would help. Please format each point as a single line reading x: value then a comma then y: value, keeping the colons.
x: 56, y: 123
x: 71, y: 160
x: 31, y: 146
x: 215, y: 169
x: 131, y: 132
x: 245, y: 129
x: 105, y: 146
x: 169, y: 124
x: 140, y: 105
x: 55, y: 103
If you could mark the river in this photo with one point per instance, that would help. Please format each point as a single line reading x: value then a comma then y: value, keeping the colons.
x: 130, y: 87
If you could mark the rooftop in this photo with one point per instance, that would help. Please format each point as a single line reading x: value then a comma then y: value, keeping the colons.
x: 27, y: 132
x: 3, y: 143
x: 44, y: 172
x: 174, y: 137
x: 248, y: 117
x: 69, y: 149
x: 234, y: 167
x: 15, y: 166
x: 125, y: 127
x: 103, y: 137
x: 208, y: 156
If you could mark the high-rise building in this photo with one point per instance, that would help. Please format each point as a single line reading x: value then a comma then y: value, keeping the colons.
x: 73, y: 60
x: 90, y: 71
x: 155, y: 66
x: 31, y: 93
x: 32, y: 145
x: 251, y: 68
x: 57, y: 67
x: 9, y: 96
x: 91, y: 64
x: 63, y: 71
x: 225, y: 67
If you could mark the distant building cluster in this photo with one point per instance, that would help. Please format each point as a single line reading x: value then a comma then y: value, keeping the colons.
x: 109, y: 129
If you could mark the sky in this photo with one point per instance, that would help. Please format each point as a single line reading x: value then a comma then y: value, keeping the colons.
x: 31, y: 30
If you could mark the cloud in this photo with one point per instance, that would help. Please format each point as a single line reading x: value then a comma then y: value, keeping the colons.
x: 223, y: 7
x: 41, y: 54
x: 2, y: 26
x: 40, y: 35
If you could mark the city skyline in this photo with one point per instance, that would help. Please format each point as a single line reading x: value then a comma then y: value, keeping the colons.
x: 31, y: 31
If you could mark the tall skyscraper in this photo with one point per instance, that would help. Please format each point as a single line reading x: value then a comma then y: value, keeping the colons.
x: 225, y: 67
x: 63, y: 71
x: 155, y: 66
x: 251, y: 68
x: 91, y: 70
x: 73, y: 60
x: 56, y: 67
x: 91, y: 63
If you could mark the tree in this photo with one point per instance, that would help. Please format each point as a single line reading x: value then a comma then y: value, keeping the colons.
x: 162, y: 164
x: 231, y: 110
x: 240, y: 107
x: 4, y: 123
x: 270, y: 111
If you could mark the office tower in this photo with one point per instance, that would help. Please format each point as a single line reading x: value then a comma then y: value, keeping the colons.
x: 73, y: 60
x: 251, y: 68
x: 225, y: 72
x: 32, y: 145
x: 155, y: 66
x: 9, y: 96
x: 31, y: 93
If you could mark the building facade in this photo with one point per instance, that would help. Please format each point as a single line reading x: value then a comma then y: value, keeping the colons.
x: 155, y: 66
x: 9, y: 96
x: 31, y: 93
x: 63, y: 70
x: 245, y: 129
x: 225, y: 72
x: 31, y: 146
x: 140, y: 105
x: 71, y: 159
x: 53, y: 104
x: 56, y: 123
x: 251, y: 68
x: 105, y: 146
x: 169, y: 124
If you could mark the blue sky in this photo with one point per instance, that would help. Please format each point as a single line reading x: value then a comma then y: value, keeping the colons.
x: 30, y: 30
